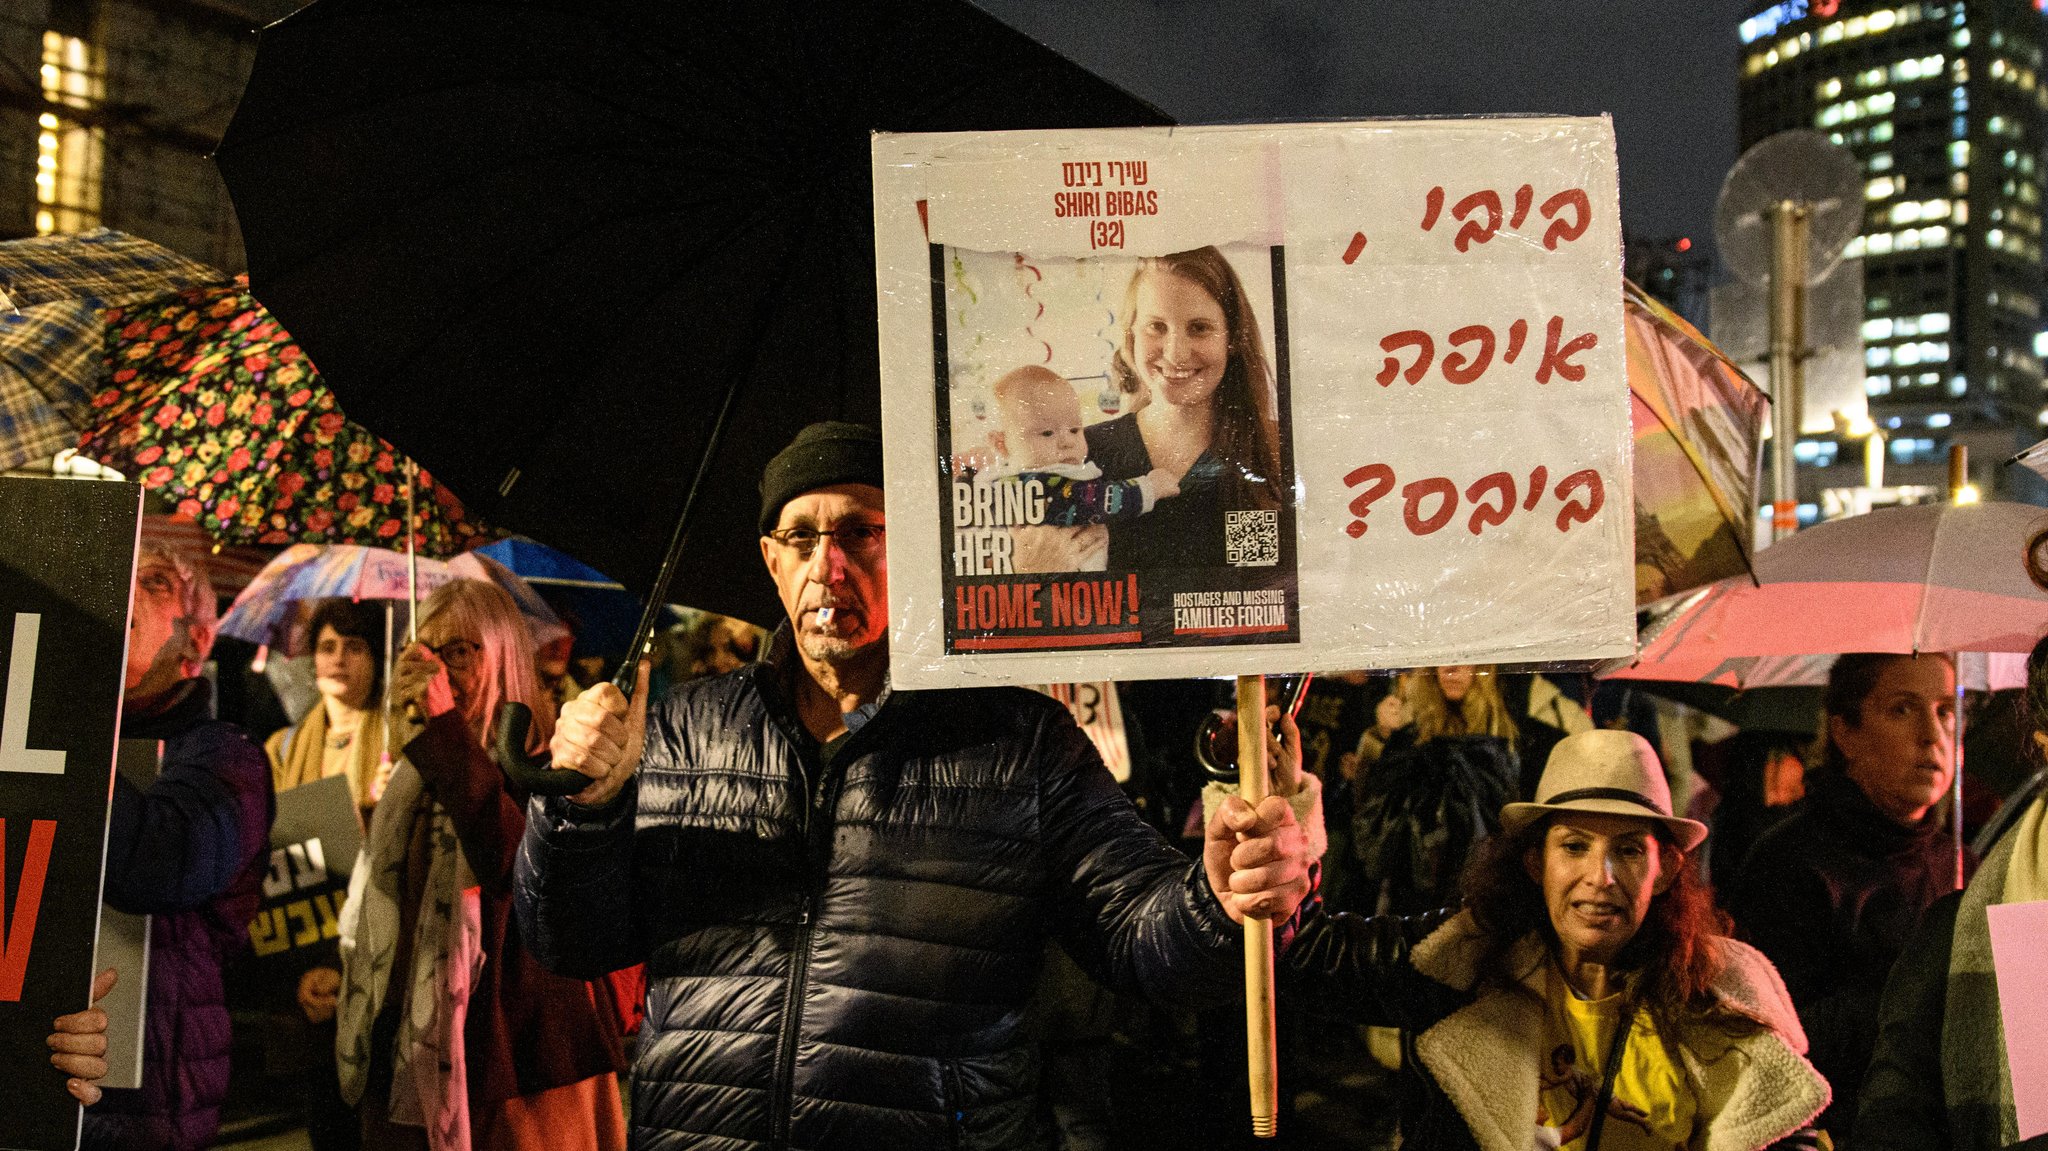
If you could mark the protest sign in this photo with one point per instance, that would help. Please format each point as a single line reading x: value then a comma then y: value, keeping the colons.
x: 313, y: 845
x: 123, y: 942
x: 2019, y: 943
x: 67, y: 556
x: 1100, y: 716
x: 1227, y: 400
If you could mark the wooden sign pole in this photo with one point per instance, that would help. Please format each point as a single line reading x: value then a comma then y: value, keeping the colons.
x: 1260, y: 1057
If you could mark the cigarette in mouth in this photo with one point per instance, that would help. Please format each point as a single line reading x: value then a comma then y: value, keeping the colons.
x: 825, y: 616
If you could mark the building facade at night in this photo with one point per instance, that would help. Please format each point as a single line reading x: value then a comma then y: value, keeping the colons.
x: 109, y: 109
x: 1942, y: 104
x: 1673, y: 270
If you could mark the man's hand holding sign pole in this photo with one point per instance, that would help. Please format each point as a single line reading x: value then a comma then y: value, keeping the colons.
x: 1261, y: 1060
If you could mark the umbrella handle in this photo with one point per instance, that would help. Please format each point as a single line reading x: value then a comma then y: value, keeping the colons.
x: 530, y: 772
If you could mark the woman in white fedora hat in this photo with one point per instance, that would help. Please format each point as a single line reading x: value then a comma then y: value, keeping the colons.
x: 1587, y: 995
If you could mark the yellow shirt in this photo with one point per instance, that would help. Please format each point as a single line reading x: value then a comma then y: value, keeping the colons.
x: 1653, y: 1108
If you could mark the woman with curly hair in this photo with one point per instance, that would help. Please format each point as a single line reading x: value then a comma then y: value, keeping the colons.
x: 1587, y: 995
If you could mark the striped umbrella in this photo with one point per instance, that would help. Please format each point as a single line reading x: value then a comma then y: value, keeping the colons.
x: 53, y: 293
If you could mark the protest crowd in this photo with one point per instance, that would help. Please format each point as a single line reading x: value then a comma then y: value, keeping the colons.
x: 620, y: 965
x: 422, y: 834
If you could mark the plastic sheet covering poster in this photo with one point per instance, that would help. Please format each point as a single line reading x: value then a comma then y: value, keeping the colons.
x: 1228, y: 400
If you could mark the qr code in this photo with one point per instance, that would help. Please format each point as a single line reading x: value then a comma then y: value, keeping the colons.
x: 1251, y: 539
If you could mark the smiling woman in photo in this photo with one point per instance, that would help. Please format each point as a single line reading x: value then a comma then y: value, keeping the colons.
x: 1191, y: 345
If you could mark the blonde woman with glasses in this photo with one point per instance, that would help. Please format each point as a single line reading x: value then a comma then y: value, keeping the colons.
x: 450, y: 1035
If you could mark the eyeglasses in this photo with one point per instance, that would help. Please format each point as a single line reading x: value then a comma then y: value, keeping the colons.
x: 159, y: 583
x: 457, y: 653
x: 860, y: 540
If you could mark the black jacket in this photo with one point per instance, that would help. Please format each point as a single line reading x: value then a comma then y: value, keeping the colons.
x: 1831, y: 894
x: 842, y: 941
x: 1902, y: 1104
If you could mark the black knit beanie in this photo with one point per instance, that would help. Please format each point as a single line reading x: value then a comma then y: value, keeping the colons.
x: 821, y: 455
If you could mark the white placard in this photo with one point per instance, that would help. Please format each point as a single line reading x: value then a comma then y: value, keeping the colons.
x: 1404, y: 340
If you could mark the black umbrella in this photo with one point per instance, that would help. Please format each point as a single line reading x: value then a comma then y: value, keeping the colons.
x: 543, y: 244
x: 1788, y: 709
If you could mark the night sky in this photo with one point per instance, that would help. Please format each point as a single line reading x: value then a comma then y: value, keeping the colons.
x: 1665, y: 71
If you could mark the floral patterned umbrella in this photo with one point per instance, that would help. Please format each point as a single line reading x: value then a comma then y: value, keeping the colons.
x: 208, y: 400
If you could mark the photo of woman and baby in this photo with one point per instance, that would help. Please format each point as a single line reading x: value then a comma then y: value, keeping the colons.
x: 1132, y: 406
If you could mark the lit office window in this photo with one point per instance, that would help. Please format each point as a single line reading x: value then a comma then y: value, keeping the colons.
x: 69, y: 153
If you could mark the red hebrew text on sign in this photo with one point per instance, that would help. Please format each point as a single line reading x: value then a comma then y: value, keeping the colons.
x: 1482, y: 216
x: 1430, y: 504
x: 1473, y: 350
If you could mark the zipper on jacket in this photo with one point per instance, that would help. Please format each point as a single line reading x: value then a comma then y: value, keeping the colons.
x: 812, y: 811
x: 817, y: 852
x: 782, y: 1099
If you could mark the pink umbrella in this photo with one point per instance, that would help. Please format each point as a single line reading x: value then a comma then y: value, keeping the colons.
x: 1937, y: 577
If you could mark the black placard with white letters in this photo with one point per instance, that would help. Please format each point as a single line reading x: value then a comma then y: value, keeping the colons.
x: 67, y: 557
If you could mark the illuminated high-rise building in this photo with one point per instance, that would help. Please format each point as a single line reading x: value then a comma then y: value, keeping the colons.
x: 1943, y: 106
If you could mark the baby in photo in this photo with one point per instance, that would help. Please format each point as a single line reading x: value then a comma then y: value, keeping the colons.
x: 1039, y: 438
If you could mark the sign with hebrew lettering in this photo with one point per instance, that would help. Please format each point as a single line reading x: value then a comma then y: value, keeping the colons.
x: 1205, y: 401
x: 67, y: 556
x: 313, y: 845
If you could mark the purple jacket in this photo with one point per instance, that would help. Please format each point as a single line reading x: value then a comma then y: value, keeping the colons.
x: 190, y: 851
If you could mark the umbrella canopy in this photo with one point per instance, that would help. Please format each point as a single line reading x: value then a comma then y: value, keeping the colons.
x: 2034, y: 459
x: 1937, y: 577
x: 539, y: 564
x: 263, y: 611
x: 536, y: 242
x: 207, y: 399
x: 599, y: 609
x: 52, y: 292
x: 1698, y: 434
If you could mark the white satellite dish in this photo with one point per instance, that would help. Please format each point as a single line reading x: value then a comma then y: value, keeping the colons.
x: 1801, y: 166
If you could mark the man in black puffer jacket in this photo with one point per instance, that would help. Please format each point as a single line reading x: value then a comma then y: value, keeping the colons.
x: 842, y: 893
